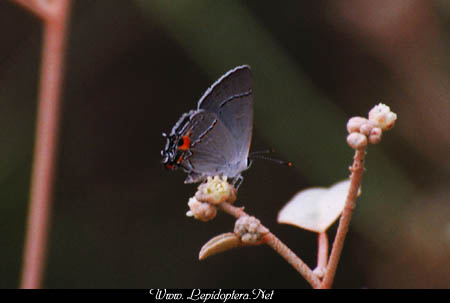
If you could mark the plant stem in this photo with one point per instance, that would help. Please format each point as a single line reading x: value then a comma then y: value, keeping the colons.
x: 292, y: 258
x: 276, y: 244
x: 236, y: 212
x: 344, y: 222
x: 47, y: 127
x: 322, y: 250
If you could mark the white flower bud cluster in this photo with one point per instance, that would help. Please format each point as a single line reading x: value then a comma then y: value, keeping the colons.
x: 214, y: 191
x: 382, y: 115
x: 362, y: 130
x: 250, y: 230
x: 200, y: 210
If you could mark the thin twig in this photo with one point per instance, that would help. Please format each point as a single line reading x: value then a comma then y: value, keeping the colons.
x: 292, y: 259
x: 322, y: 251
x: 355, y: 183
x: 236, y: 212
x: 284, y: 251
x: 47, y: 127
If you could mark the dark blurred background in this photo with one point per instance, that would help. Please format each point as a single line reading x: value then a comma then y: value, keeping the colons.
x: 133, y: 67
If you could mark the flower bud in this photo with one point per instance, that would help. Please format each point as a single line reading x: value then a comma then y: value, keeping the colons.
x: 201, y: 211
x: 383, y: 116
x: 250, y: 230
x: 216, y: 190
x: 375, y: 135
x: 354, y: 124
x: 367, y: 127
x: 357, y: 140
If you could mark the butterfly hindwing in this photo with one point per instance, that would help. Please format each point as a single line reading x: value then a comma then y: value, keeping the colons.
x: 231, y: 99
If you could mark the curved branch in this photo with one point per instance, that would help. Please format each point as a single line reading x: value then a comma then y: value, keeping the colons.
x: 276, y: 244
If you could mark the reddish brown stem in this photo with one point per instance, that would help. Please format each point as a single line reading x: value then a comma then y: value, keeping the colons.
x: 322, y: 250
x: 284, y: 251
x: 236, y: 212
x: 355, y: 183
x: 53, y: 47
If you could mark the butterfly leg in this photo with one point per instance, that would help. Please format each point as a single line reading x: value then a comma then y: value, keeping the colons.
x: 237, y: 181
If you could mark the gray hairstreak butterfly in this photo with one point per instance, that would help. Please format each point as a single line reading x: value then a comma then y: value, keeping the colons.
x: 214, y: 139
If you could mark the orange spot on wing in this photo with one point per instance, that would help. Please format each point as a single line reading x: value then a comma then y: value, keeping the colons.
x: 186, y: 142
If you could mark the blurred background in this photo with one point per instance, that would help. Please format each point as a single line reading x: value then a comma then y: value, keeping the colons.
x: 133, y: 67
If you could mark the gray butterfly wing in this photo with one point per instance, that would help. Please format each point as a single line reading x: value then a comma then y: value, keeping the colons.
x: 230, y: 98
x: 211, y: 149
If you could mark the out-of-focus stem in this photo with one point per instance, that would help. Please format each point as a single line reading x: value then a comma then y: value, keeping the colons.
x: 47, y: 127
